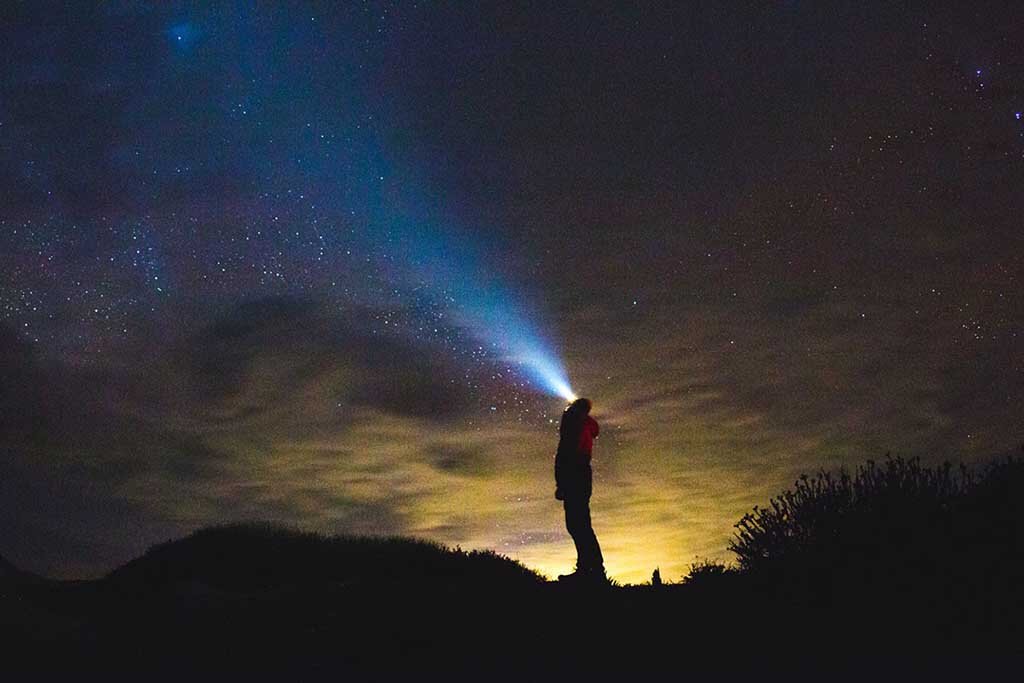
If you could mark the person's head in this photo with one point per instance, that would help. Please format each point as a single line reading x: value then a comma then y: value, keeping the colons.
x: 573, y: 418
x: 581, y: 406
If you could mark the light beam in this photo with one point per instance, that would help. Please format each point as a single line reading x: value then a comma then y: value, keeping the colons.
x: 446, y: 266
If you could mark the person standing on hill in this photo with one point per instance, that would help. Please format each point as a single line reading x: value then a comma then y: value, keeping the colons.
x: 573, y: 486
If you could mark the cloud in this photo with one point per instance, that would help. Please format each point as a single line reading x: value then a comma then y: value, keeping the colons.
x: 245, y: 416
x: 460, y: 459
x: 263, y: 352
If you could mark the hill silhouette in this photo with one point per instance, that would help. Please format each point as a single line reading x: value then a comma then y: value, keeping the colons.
x: 10, y: 573
x: 895, y: 562
x: 259, y: 556
x: 7, y: 570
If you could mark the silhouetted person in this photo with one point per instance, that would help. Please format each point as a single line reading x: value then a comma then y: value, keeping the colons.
x: 573, y: 486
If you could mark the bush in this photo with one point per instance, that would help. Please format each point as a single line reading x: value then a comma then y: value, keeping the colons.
x: 899, y: 523
x: 704, y: 572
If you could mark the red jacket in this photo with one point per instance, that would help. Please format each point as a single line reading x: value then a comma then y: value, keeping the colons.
x: 590, y: 430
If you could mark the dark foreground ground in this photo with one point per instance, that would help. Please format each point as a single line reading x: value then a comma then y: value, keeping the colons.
x: 539, y: 633
x: 227, y: 605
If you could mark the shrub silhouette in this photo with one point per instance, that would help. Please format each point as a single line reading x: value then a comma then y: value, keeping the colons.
x: 899, y: 525
x: 704, y: 572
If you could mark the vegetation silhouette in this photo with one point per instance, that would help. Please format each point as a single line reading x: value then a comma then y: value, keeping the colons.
x: 258, y: 556
x: 896, y: 561
x: 898, y: 521
x: 937, y: 544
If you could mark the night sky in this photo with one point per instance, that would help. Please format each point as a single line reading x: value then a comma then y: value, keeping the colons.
x: 260, y: 262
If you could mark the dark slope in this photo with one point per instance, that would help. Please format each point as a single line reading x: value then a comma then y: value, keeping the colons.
x: 8, y: 572
x: 253, y: 557
x: 254, y: 596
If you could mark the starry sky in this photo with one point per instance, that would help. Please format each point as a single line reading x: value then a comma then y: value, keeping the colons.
x: 258, y: 261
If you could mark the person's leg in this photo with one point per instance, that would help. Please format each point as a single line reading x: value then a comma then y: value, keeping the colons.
x: 577, y: 522
x: 591, y: 557
x: 577, y: 516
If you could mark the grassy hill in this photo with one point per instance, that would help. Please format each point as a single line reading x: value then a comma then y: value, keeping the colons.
x: 255, y: 595
x: 7, y: 570
x: 10, y: 573
x: 253, y: 557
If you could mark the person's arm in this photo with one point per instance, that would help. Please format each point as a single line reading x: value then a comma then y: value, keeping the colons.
x: 597, y: 427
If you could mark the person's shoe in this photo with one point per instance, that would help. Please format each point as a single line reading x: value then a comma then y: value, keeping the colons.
x: 588, y: 577
x: 572, y: 578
